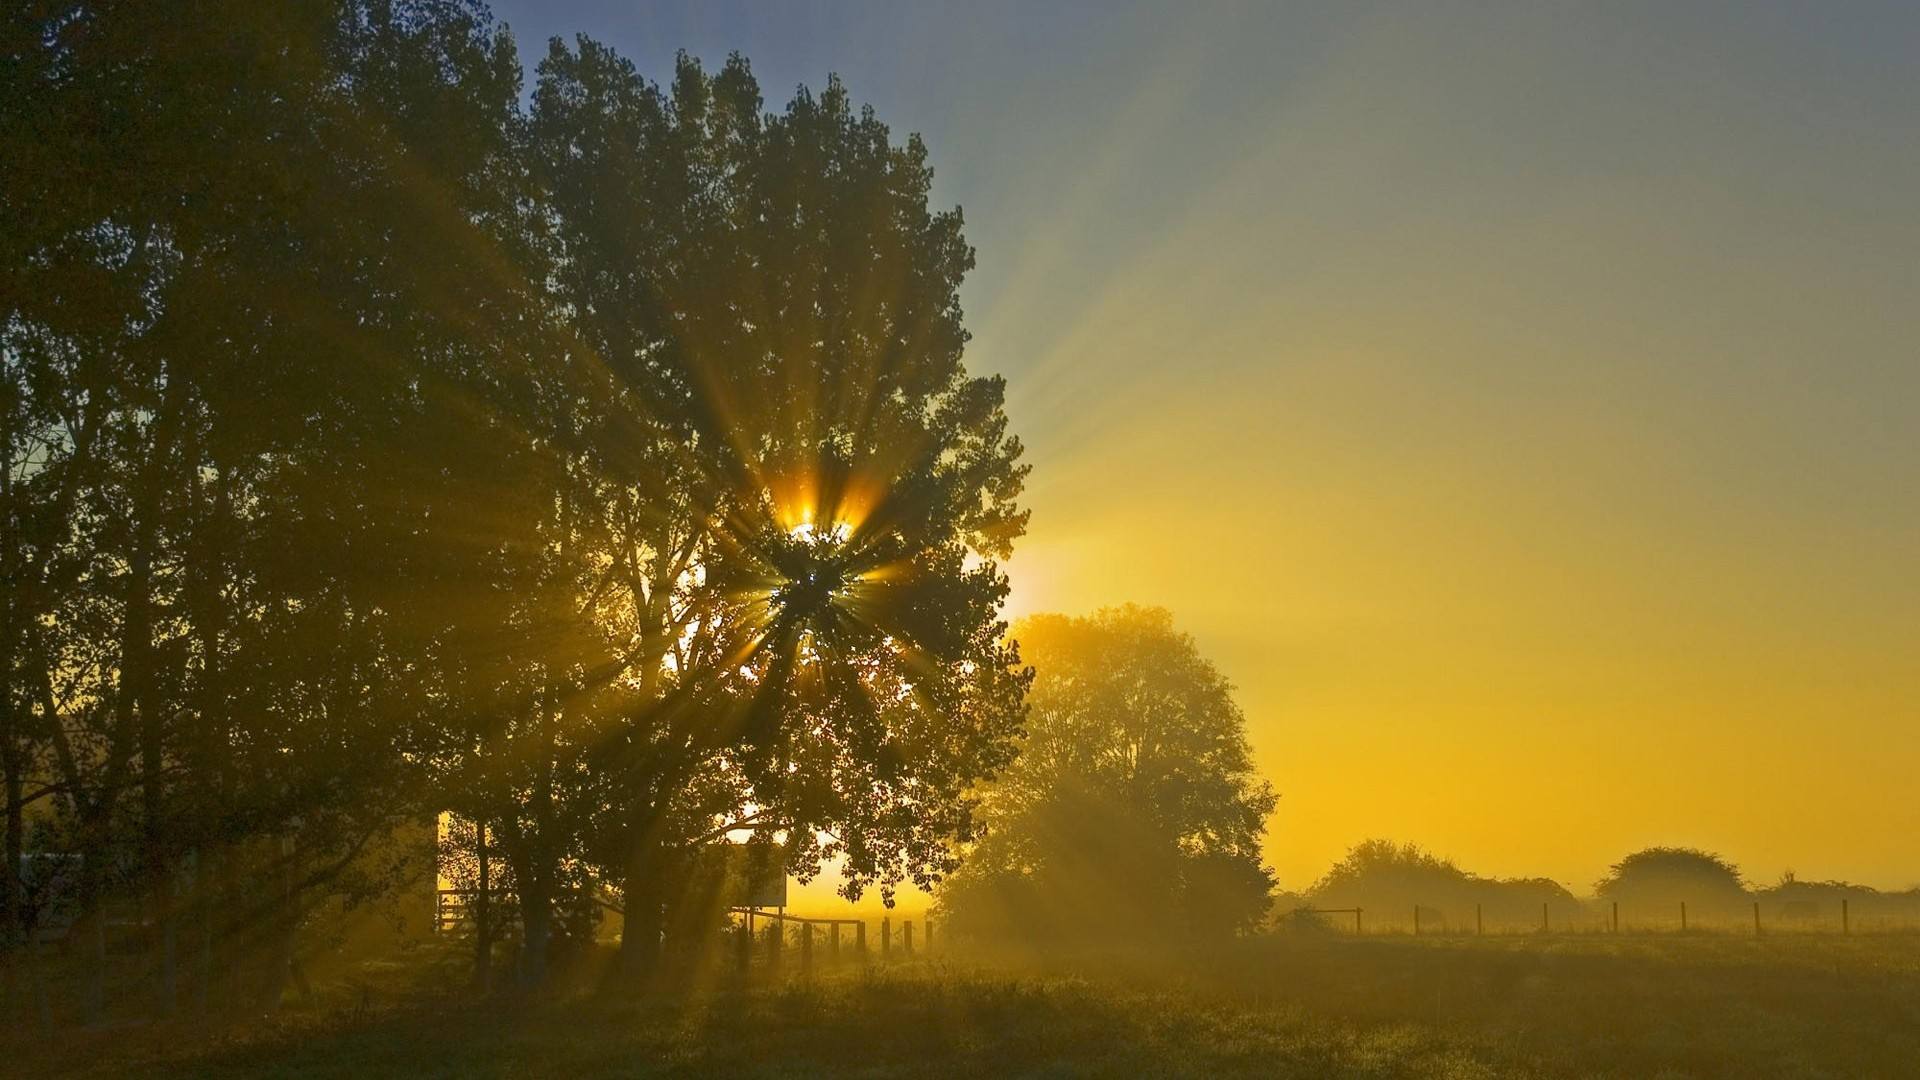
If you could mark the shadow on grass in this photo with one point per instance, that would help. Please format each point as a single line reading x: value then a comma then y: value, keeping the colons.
x: 921, y: 1021
x: 1389, y: 1007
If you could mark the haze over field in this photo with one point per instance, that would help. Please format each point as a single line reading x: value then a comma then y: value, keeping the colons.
x: 1518, y: 405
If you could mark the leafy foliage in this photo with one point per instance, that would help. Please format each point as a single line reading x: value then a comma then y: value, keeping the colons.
x: 602, y: 469
x: 1666, y: 876
x: 1134, y: 806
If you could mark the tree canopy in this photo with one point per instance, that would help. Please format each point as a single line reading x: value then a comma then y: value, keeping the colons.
x: 1389, y: 880
x: 1665, y: 876
x: 1134, y: 804
x: 602, y: 467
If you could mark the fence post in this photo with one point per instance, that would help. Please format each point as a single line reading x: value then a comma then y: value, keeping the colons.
x: 1756, y: 918
x: 860, y: 938
x: 806, y: 949
x: 833, y: 944
x: 1356, y: 922
x: 1479, y: 925
x: 886, y: 936
x: 776, y: 934
x: 906, y: 935
x: 1845, y: 928
x: 1683, y: 915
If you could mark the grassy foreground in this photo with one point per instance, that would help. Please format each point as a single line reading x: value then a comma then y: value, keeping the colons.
x: 1653, y: 1006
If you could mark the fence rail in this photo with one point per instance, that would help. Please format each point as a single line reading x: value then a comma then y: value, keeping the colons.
x: 783, y: 933
x: 1753, y: 918
x: 805, y: 930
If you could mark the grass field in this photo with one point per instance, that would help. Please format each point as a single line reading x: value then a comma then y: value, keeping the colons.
x: 1586, y: 1006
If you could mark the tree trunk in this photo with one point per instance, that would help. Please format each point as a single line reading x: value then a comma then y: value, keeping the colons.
x: 536, y: 920
x: 536, y: 883
x: 288, y: 924
x: 96, y: 992
x: 644, y: 918
x: 166, y: 933
x: 90, y: 924
x: 532, y: 888
x: 482, y: 913
x: 206, y: 880
x: 281, y: 972
x: 13, y: 710
x: 210, y: 739
x: 12, y: 894
x: 135, y: 706
x: 134, y: 675
x: 42, y: 1002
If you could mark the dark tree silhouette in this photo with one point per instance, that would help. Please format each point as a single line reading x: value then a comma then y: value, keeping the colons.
x: 253, y: 410
x: 791, y: 469
x: 605, y: 471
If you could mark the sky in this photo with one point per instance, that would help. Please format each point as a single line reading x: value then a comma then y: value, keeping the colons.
x: 1520, y: 404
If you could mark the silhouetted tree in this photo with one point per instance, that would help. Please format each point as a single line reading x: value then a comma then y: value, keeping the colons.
x: 1134, y: 806
x: 254, y: 415
x: 1660, y: 878
x: 372, y: 446
x: 792, y: 471
x: 1389, y: 880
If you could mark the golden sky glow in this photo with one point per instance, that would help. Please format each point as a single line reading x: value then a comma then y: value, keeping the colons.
x: 1522, y: 408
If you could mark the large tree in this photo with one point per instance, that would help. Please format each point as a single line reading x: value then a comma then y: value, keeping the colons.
x: 1133, y: 807
x: 798, y: 490
x: 605, y: 471
x: 254, y: 410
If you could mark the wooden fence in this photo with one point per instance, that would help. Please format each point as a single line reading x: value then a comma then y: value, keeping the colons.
x: 787, y: 934
x: 783, y: 935
x: 1608, y: 920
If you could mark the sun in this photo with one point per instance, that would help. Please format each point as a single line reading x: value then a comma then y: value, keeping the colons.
x: 838, y: 532
x: 815, y: 571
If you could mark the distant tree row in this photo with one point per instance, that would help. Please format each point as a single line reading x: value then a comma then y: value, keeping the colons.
x: 378, y: 441
x: 1389, y: 880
